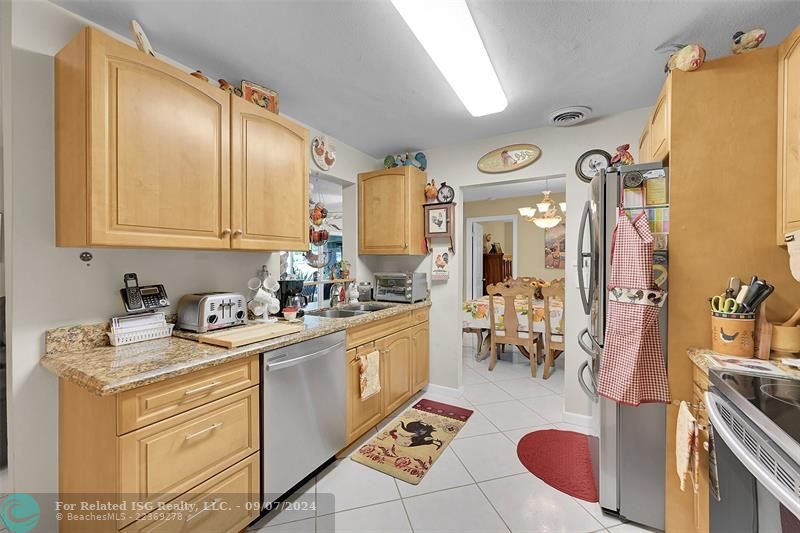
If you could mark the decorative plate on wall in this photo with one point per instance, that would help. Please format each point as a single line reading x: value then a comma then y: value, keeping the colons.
x: 509, y: 158
x: 323, y: 152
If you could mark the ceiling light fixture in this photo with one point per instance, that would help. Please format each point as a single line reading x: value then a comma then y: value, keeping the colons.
x: 548, y: 216
x: 447, y: 31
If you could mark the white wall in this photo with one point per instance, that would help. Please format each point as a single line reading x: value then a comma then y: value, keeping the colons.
x: 560, y: 149
x: 51, y: 287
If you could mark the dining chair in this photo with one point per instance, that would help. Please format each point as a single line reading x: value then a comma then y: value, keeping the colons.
x: 509, y: 332
x: 553, y: 332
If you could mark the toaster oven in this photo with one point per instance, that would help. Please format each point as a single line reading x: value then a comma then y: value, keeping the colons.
x: 406, y: 287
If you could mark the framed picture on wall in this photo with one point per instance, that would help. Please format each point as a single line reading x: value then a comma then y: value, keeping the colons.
x: 439, y: 222
x: 555, y: 256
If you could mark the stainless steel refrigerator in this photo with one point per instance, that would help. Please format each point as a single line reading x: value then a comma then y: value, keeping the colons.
x: 629, y: 455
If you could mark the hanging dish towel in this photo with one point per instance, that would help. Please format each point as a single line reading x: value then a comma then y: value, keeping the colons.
x: 632, y: 369
x: 369, y: 374
x: 684, y: 442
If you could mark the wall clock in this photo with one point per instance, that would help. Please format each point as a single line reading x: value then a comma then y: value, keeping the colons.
x: 509, y: 158
x: 590, y: 164
x: 445, y: 194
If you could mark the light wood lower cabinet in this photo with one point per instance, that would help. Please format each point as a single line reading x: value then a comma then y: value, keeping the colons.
x: 210, y: 448
x: 396, y: 369
x: 404, y: 367
x: 361, y: 414
x: 420, y: 342
x: 221, y: 504
x: 700, y: 502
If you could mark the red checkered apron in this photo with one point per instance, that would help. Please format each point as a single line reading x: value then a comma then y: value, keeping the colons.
x: 632, y: 369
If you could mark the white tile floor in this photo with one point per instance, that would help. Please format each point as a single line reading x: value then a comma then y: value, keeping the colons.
x: 477, y: 485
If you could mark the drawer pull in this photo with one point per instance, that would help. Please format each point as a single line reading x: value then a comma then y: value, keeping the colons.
x: 212, y: 427
x: 202, y: 388
x: 206, y: 507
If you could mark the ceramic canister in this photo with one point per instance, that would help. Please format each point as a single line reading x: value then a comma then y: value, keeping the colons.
x: 732, y: 334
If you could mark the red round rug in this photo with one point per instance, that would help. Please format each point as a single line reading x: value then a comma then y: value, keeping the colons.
x: 561, y: 459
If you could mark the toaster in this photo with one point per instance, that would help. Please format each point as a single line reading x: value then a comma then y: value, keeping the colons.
x: 209, y: 311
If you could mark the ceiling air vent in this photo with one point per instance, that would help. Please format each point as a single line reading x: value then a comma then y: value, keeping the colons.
x: 569, y: 116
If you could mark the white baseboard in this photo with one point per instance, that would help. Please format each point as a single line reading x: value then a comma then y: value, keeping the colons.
x: 578, y: 420
x: 445, y: 391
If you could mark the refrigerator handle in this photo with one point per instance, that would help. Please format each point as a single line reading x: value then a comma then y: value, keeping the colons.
x: 589, y: 390
x: 586, y: 295
x: 590, y: 350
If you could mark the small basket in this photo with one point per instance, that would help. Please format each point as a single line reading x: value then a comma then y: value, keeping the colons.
x: 146, y: 333
x: 732, y: 333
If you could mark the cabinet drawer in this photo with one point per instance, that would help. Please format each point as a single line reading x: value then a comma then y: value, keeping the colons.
x: 378, y: 329
x: 143, y: 406
x: 169, y: 457
x: 418, y: 316
x: 220, y: 504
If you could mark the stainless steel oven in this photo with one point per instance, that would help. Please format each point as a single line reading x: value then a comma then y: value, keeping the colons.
x: 755, y: 421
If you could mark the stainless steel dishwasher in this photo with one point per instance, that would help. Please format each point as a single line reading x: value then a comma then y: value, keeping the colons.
x: 303, y: 410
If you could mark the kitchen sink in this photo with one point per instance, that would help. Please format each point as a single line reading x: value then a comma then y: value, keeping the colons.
x: 336, y: 313
x: 369, y: 307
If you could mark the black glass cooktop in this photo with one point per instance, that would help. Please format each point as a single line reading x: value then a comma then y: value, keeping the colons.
x: 778, y: 399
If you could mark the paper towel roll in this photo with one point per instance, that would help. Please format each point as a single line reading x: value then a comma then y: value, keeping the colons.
x: 793, y: 245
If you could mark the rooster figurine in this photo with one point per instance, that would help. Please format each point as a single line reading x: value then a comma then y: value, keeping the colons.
x: 747, y: 41
x: 431, y: 191
x: 422, y: 161
x: 687, y: 58
x: 623, y: 157
x: 389, y: 162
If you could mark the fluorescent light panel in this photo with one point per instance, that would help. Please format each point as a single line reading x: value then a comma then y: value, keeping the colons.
x: 446, y: 30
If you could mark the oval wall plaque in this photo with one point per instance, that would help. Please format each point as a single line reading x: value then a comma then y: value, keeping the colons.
x: 509, y: 158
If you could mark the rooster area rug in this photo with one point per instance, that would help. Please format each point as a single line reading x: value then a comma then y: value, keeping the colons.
x: 410, y: 444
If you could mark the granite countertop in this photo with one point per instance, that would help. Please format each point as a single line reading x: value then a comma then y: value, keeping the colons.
x: 82, y: 354
x: 703, y: 359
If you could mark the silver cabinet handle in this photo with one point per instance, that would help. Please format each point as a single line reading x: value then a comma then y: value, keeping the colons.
x: 207, y: 506
x: 189, y: 392
x: 226, y: 231
x: 237, y: 232
x: 212, y: 427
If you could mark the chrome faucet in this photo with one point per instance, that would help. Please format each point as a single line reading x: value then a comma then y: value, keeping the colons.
x: 335, y: 295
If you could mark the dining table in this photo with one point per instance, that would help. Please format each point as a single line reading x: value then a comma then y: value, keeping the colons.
x: 475, y: 319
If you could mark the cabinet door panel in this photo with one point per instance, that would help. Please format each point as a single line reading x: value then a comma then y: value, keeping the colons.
x: 361, y: 414
x: 420, y: 344
x: 270, y: 180
x: 396, y: 367
x: 789, y: 137
x: 384, y: 214
x: 159, y: 153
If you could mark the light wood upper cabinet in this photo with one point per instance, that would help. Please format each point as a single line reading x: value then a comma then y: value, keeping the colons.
x: 396, y: 352
x: 269, y: 183
x: 644, y: 145
x: 390, y: 212
x: 789, y: 136
x: 142, y: 150
x: 149, y: 156
x: 659, y: 128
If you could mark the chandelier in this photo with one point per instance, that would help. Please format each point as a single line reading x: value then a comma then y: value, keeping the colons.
x: 548, y: 217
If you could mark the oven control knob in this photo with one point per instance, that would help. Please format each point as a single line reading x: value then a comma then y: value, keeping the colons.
x: 239, y: 315
x: 212, y: 319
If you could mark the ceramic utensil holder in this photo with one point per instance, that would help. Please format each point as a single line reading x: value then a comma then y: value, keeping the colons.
x: 732, y: 334
x: 786, y: 339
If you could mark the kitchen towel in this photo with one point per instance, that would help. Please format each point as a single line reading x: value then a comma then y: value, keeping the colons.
x: 369, y: 374
x: 684, y: 442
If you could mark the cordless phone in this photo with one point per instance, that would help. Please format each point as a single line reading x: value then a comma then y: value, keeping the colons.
x: 140, y: 299
x: 133, y: 299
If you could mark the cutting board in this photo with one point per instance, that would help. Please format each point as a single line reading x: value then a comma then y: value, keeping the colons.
x: 249, y: 334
